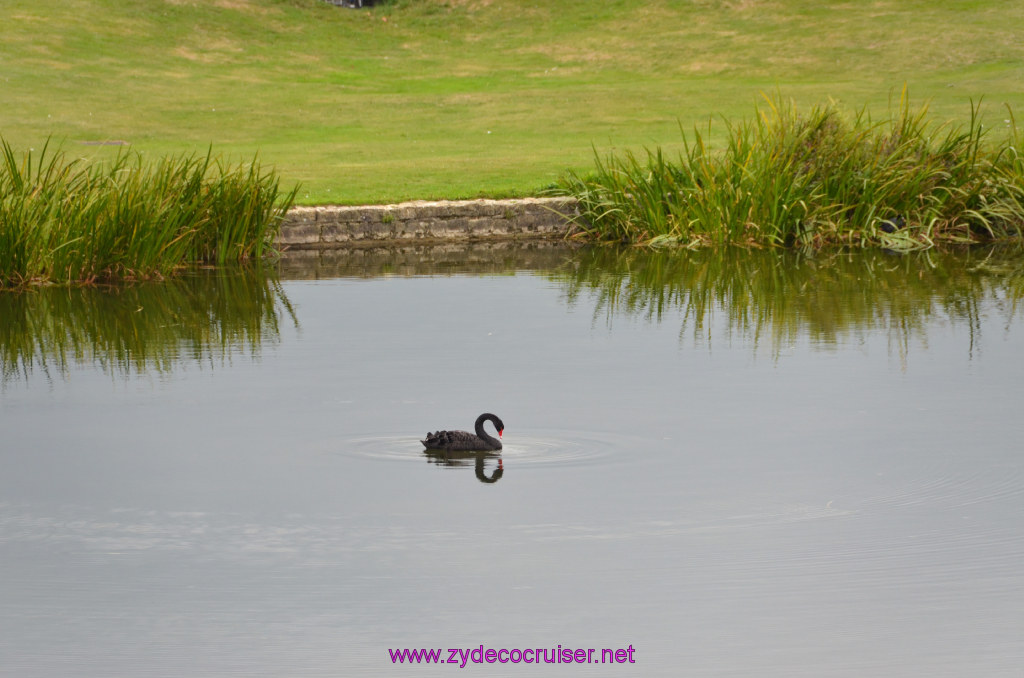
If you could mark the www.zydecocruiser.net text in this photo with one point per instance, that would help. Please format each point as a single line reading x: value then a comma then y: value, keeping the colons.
x: 462, y: 656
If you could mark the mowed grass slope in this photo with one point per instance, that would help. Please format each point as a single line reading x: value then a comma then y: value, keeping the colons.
x: 460, y: 98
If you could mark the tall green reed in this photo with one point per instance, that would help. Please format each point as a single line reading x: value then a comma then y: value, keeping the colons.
x: 824, y: 177
x: 64, y: 220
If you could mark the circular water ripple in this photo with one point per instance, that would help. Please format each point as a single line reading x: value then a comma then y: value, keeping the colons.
x: 563, y: 448
x: 946, y: 481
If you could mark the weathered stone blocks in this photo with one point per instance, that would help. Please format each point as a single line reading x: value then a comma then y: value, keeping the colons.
x: 330, y: 227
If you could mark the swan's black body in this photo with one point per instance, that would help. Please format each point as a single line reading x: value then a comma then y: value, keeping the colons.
x: 465, y: 441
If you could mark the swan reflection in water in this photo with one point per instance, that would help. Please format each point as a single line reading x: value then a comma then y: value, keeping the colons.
x: 455, y: 459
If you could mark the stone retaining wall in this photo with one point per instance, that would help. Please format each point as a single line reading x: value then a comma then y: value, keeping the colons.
x: 423, y: 222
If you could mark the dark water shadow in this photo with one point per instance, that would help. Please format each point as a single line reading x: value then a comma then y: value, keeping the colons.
x: 203, y: 317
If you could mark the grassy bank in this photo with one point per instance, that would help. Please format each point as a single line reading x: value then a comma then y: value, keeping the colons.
x: 65, y: 220
x: 454, y: 98
x: 821, y: 177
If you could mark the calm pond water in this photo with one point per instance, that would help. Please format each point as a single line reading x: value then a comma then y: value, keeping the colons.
x: 738, y: 464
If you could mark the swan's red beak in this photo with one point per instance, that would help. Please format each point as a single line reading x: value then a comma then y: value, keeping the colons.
x: 500, y: 432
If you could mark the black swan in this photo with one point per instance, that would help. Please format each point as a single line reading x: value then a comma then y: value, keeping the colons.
x: 462, y: 440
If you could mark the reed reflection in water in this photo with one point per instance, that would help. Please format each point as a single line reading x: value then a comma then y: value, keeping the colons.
x: 778, y: 297
x: 203, y: 317
x: 773, y: 299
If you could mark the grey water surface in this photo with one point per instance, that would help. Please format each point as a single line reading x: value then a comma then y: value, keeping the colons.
x: 735, y: 464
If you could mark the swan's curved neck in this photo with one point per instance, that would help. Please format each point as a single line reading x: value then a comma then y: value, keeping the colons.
x: 491, y: 440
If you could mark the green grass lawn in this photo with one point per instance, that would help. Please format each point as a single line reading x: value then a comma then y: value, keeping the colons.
x: 462, y: 98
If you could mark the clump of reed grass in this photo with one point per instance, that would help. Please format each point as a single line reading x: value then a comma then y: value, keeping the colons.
x: 823, y: 177
x: 63, y: 220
